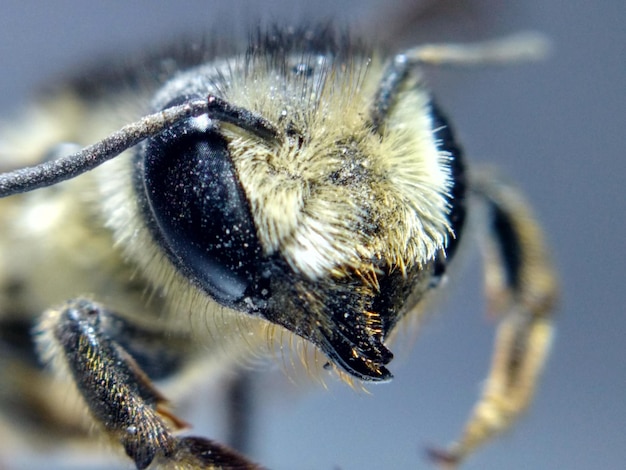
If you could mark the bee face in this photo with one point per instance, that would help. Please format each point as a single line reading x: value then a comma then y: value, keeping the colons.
x: 317, y: 227
x: 307, y: 184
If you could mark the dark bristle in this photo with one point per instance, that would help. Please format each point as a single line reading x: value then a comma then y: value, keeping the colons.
x: 141, y: 71
x: 325, y: 39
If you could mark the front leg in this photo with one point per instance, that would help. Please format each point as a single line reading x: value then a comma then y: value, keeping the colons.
x: 521, y: 288
x: 119, y: 395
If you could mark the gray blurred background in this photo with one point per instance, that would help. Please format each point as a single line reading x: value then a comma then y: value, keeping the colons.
x: 556, y: 127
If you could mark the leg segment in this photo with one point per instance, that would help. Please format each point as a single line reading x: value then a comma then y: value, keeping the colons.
x: 521, y: 287
x: 240, y: 411
x: 77, y: 339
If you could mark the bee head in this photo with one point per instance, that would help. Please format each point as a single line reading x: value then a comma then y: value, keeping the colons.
x: 299, y: 198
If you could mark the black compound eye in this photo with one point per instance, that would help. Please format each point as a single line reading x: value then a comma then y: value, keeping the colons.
x: 200, y: 212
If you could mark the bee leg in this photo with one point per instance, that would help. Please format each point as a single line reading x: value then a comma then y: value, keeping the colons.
x: 76, y: 338
x: 521, y: 287
x: 240, y: 410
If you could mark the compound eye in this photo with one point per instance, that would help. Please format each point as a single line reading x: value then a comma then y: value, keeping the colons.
x: 200, y: 212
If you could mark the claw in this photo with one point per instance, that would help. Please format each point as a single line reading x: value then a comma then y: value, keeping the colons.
x: 443, y: 458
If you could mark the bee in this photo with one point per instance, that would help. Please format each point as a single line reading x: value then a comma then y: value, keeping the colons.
x: 304, y: 190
